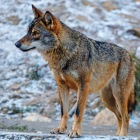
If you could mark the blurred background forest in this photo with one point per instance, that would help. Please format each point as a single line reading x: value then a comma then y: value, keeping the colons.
x: 26, y: 83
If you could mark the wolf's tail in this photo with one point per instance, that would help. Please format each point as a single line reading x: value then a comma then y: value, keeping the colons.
x: 132, y: 100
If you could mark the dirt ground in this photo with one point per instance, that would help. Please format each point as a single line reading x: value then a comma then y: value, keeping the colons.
x: 45, y: 127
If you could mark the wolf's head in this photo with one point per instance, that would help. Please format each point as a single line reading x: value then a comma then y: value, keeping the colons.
x: 42, y: 32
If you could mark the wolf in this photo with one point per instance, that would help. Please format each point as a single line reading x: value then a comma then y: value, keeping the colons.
x: 84, y: 65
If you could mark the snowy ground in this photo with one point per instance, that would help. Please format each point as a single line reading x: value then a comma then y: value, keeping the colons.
x: 34, y: 136
x: 26, y: 83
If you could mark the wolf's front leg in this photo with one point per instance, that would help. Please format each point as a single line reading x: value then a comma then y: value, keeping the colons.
x: 78, y: 116
x: 63, y: 91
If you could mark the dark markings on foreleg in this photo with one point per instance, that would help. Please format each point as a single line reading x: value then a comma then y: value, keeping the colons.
x: 77, y: 110
x: 61, y: 108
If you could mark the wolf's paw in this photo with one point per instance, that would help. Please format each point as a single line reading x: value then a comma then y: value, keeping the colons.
x: 74, y: 134
x: 58, y: 131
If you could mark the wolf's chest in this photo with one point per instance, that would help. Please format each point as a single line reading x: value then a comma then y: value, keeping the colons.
x: 71, y: 79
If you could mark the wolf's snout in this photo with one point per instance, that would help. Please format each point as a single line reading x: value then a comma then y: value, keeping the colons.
x: 18, y: 44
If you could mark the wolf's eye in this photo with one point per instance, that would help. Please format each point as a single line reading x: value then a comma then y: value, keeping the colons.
x: 35, y: 34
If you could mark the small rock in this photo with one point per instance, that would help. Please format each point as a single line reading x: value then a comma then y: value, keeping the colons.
x: 15, y: 86
x: 4, y: 110
x: 86, y: 2
x: 83, y: 18
x: 98, y: 10
x: 19, y: 75
x: 18, y: 2
x: 37, y: 117
x: 4, y: 101
x: 14, y: 68
x: 57, y: 8
x: 19, y: 91
x: 41, y: 110
x: 110, y: 5
x: 135, y: 31
x: 14, y: 19
x: 105, y: 117
x: 14, y: 96
x: 28, y: 82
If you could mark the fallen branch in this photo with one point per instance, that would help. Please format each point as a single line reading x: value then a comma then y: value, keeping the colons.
x: 71, y: 112
x: 45, y: 65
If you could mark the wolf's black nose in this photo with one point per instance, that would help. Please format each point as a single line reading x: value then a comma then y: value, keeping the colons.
x: 18, y: 44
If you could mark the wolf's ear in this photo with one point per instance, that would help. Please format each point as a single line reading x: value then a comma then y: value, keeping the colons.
x: 52, y: 22
x: 37, y: 13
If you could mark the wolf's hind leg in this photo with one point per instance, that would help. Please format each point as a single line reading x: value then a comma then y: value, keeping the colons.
x: 110, y: 102
x: 63, y: 91
x: 122, y: 101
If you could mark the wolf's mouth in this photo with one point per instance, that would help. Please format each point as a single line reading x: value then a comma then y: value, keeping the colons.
x: 27, y: 49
